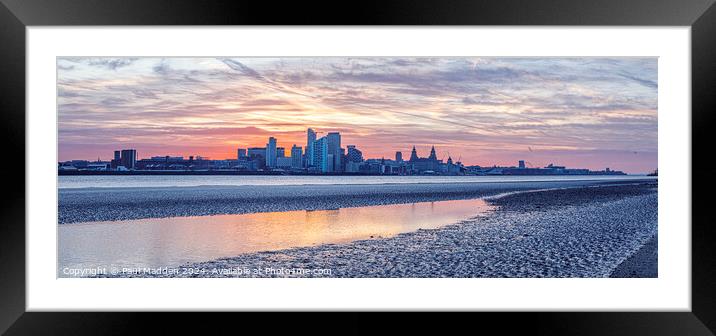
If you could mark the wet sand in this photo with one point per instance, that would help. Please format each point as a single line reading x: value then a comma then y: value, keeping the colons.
x: 108, y: 204
x: 642, y: 264
x: 597, y: 230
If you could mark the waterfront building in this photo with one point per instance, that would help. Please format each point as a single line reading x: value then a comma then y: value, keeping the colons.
x: 173, y: 163
x: 310, y: 139
x: 257, y: 153
x: 271, y: 153
x: 117, y: 161
x: 353, y: 167
x: 280, y: 152
x: 413, y: 155
x: 419, y: 165
x: 354, y: 154
x: 168, y: 158
x: 453, y: 168
x: 334, y: 150
x: 128, y: 158
x: 284, y: 162
x: 321, y: 158
x: 247, y: 165
x: 521, y: 164
x: 399, y: 156
x: 241, y: 154
x: 296, y: 157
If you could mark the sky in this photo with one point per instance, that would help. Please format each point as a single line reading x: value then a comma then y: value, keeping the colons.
x: 579, y: 112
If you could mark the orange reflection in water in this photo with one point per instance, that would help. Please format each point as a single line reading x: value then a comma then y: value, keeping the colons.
x: 160, y: 242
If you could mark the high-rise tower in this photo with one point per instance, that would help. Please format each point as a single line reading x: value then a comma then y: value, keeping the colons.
x: 334, y: 149
x: 296, y: 156
x: 310, y: 139
x: 271, y: 153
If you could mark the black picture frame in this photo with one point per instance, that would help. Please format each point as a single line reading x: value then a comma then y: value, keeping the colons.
x: 700, y: 15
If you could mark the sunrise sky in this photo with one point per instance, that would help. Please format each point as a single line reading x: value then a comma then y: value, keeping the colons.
x: 579, y: 112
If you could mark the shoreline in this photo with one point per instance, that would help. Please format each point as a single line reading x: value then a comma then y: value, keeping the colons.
x: 111, y: 204
x: 574, y: 232
x: 407, y: 180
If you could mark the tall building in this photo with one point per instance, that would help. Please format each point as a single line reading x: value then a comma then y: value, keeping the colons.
x: 117, y: 161
x: 296, y: 157
x: 354, y: 154
x: 257, y: 153
x: 271, y: 153
x: 310, y: 139
x: 399, y: 156
x: 334, y: 149
x: 128, y: 158
x: 320, y: 156
x: 280, y: 152
x: 521, y: 164
x: 241, y: 154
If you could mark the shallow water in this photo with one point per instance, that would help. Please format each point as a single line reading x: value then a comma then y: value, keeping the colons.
x: 170, y: 242
x: 114, y: 181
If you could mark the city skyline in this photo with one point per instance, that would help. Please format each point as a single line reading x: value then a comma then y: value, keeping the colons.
x: 585, y: 112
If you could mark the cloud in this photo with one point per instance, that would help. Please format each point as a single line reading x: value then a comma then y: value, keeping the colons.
x: 111, y: 63
x: 144, y: 93
x: 380, y: 104
x: 645, y: 82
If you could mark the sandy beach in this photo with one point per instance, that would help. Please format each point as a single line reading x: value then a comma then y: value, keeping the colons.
x: 574, y: 229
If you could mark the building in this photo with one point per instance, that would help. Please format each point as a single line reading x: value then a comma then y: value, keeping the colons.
x: 247, y: 165
x: 280, y: 152
x: 398, y: 156
x: 321, y: 158
x: 128, y: 158
x: 353, y: 167
x: 174, y: 163
x: 241, y: 154
x: 296, y: 157
x: 452, y: 168
x: 117, y: 161
x: 521, y: 164
x: 271, y: 153
x: 284, y: 162
x: 354, y: 154
x: 310, y: 139
x: 257, y: 153
x: 334, y: 150
x: 419, y: 165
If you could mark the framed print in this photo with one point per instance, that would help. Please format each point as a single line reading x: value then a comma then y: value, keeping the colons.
x: 488, y: 157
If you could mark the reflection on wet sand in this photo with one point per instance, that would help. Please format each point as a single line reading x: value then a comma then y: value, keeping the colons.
x: 160, y: 242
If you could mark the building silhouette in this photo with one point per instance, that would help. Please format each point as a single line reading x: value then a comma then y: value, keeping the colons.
x: 128, y: 158
x: 310, y: 139
x: 271, y: 153
x: 334, y: 150
x: 296, y: 157
x: 422, y: 165
x: 321, y: 158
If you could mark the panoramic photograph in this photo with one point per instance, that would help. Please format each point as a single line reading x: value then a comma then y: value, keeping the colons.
x: 357, y: 167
